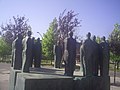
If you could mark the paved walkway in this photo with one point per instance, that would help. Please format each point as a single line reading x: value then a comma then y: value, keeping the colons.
x: 4, y: 76
x: 5, y: 70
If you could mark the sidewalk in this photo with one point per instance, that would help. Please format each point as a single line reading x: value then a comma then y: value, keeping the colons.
x: 115, y: 86
x: 4, y: 76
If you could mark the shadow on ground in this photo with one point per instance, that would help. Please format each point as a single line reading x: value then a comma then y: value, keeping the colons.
x: 117, y: 84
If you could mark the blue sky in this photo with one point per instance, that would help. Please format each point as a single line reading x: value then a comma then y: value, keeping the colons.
x: 98, y: 16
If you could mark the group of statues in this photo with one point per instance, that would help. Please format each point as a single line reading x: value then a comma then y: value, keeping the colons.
x: 26, y: 52
x: 94, y: 57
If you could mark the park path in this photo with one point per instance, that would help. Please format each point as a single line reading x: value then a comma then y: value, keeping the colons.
x: 5, y: 71
x: 4, y: 76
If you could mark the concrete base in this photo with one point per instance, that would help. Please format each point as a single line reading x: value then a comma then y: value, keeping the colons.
x: 12, y: 78
x: 52, y: 79
x: 92, y: 83
x: 29, y: 81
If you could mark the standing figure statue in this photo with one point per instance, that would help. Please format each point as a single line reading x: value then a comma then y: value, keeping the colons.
x: 27, y: 52
x: 88, y: 57
x: 106, y: 57
x: 71, y: 48
x: 13, y: 53
x: 58, y: 55
x: 65, y: 55
x: 38, y: 54
x: 33, y: 51
x: 17, y: 56
x: 96, y: 57
x: 82, y: 62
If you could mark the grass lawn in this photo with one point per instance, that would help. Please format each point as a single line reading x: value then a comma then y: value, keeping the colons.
x: 111, y: 67
x: 47, y: 62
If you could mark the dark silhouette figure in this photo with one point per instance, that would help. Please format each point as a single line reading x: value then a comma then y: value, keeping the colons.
x: 88, y: 57
x: 58, y: 55
x: 96, y: 57
x: 38, y: 54
x: 105, y: 57
x: 17, y: 58
x: 27, y: 52
x: 71, y: 48
x: 33, y: 51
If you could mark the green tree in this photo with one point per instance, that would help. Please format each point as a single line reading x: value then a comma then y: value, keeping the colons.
x: 5, y: 49
x: 48, y: 42
x: 98, y: 39
x: 15, y: 26
x: 114, y: 40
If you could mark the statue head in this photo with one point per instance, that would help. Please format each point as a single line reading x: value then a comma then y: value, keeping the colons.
x: 103, y: 38
x: 19, y: 36
x: 33, y: 39
x: 38, y: 39
x: 58, y: 42
x: 29, y: 33
x: 94, y: 38
x: 70, y: 33
x: 88, y: 35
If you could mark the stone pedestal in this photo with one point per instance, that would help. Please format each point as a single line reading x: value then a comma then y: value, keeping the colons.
x: 12, y: 78
x: 52, y: 79
x: 92, y: 83
x: 31, y: 81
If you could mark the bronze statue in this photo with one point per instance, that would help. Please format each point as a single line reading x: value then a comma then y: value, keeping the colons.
x: 27, y: 52
x: 106, y: 57
x: 17, y: 50
x: 58, y: 54
x: 96, y: 57
x: 33, y: 51
x: 89, y: 57
x: 71, y: 48
x: 65, y: 55
x: 37, y: 54
x: 82, y: 63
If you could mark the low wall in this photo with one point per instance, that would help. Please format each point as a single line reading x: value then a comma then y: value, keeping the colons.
x: 92, y: 83
x: 42, y: 80
x: 12, y: 78
x: 29, y: 81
